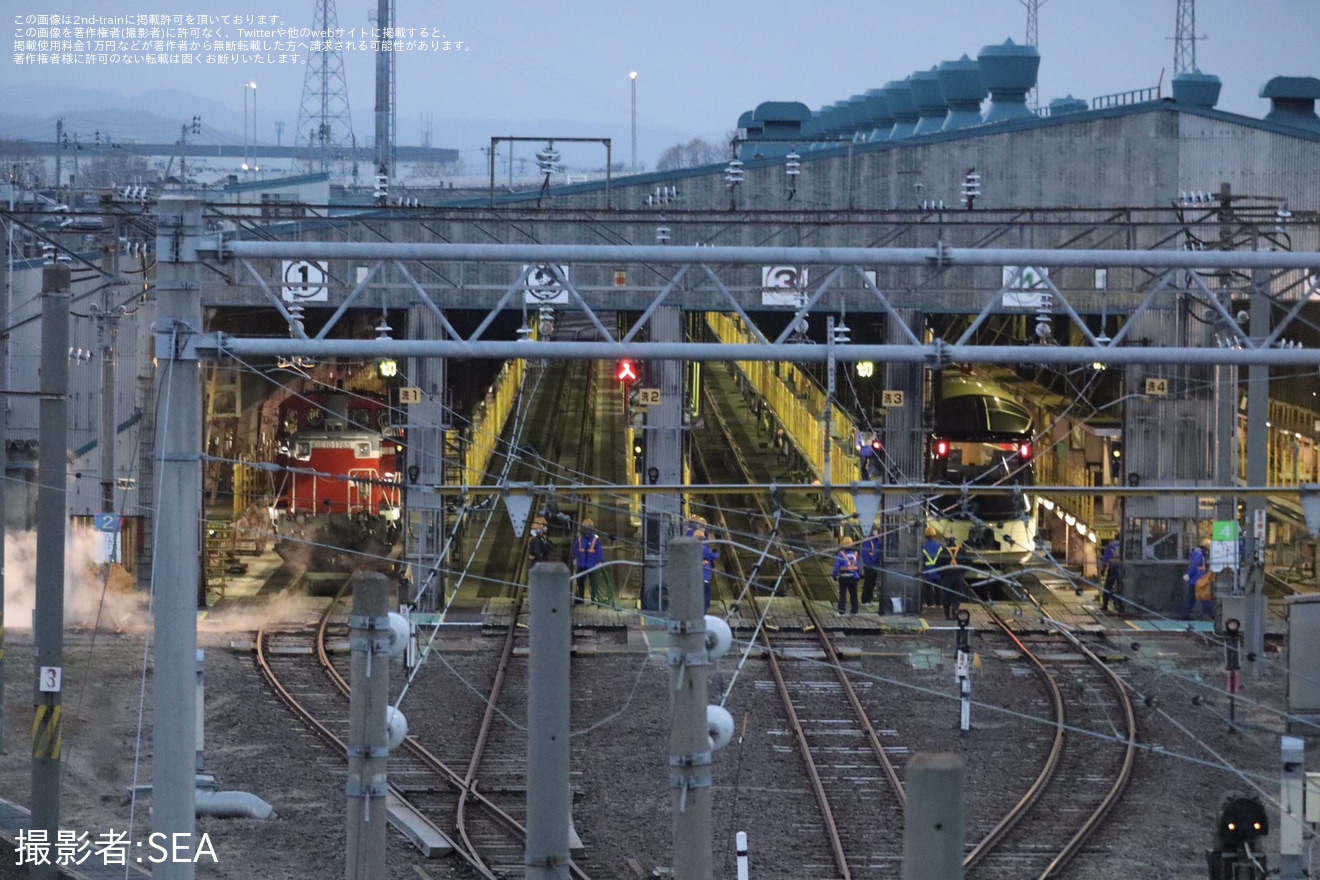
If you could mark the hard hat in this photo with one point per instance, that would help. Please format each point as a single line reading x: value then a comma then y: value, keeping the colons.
x: 588, y: 523
x: 931, y: 532
x: 539, y: 521
x: 847, y: 541
x: 1205, y: 542
x: 698, y: 519
x: 699, y: 535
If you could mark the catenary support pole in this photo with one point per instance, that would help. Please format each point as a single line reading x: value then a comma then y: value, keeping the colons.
x: 52, y: 499
x: 107, y: 329
x: 933, y: 825
x: 177, y: 575
x: 549, y: 797
x: 689, y: 739
x: 369, y: 680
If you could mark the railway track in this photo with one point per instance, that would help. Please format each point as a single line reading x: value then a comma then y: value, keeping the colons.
x: 839, y: 744
x: 852, y: 777
x: 1087, y: 767
x: 490, y: 837
x: 481, y: 797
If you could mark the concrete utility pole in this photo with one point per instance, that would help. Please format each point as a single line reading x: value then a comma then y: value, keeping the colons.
x: 178, y: 526
x: 52, y: 492
x: 689, y: 739
x: 933, y: 826
x: 549, y: 796
x: 369, y: 686
x: 4, y: 440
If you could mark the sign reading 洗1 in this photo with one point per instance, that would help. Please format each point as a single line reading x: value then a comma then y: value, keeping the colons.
x: 1224, y: 545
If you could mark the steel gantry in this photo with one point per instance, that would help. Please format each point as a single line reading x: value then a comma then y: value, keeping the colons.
x: 698, y: 268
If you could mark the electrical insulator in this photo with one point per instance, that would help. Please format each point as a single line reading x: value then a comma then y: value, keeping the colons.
x: 793, y: 165
x: 971, y: 188
x: 733, y: 175
x: 547, y: 158
x: 662, y: 234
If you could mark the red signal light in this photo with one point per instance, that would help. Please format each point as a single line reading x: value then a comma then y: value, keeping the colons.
x: 941, y: 448
x: 877, y: 445
x: 626, y: 372
x: 1024, y: 451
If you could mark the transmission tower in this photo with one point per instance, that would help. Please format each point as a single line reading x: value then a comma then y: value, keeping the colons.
x: 1033, y: 30
x: 1033, y: 39
x: 325, y: 127
x: 1184, y: 38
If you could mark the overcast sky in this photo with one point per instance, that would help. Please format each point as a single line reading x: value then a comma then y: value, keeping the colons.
x: 699, y: 63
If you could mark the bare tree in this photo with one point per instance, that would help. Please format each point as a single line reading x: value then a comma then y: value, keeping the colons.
x: 692, y: 154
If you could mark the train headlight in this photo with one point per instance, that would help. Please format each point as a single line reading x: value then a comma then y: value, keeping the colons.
x: 1024, y: 451
x: 941, y: 448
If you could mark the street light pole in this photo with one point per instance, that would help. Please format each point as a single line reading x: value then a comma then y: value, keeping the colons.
x: 633, y: 76
x: 249, y: 159
x: 255, y: 140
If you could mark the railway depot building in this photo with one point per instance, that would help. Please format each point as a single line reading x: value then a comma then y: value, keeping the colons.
x: 1140, y: 170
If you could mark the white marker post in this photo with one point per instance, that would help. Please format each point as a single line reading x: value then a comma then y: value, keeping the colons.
x: 963, y: 669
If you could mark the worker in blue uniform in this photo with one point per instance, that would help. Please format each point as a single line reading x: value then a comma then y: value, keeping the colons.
x: 539, y: 547
x: 588, y: 559
x: 953, y: 582
x: 1200, y: 589
x: 866, y: 450
x: 847, y: 570
x: 1111, y: 560
x: 709, y: 556
x: 872, y: 556
x: 930, y: 558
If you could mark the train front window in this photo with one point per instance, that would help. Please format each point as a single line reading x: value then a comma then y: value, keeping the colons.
x: 980, y: 464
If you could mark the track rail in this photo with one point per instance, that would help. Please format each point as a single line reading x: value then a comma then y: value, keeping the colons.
x: 1046, y: 777
x: 848, y: 692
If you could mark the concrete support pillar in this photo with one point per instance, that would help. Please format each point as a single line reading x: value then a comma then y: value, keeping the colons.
x: 1258, y: 413
x: 424, y: 466
x: 661, y: 513
x: 177, y: 577
x: 933, y: 825
x: 549, y: 797
x: 903, y: 517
